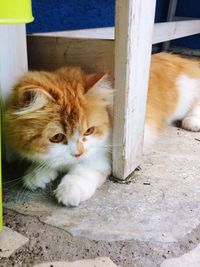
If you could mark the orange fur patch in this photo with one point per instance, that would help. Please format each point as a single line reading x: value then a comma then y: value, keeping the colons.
x: 44, y: 104
x: 163, y: 95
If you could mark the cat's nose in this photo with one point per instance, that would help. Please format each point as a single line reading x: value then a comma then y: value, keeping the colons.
x: 77, y: 155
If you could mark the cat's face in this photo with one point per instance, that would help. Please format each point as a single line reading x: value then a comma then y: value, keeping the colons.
x: 60, y: 116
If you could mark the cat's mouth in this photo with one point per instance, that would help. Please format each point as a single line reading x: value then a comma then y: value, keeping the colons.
x: 77, y: 155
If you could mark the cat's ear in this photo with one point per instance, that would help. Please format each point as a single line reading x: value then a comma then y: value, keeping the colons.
x: 100, y: 84
x: 94, y: 78
x: 30, y: 99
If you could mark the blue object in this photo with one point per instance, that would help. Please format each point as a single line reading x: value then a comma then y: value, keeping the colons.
x: 58, y: 15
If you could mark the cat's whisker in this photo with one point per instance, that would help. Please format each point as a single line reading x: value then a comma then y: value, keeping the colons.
x: 19, y: 194
x: 24, y: 193
x: 11, y: 181
x: 27, y: 194
x: 11, y: 186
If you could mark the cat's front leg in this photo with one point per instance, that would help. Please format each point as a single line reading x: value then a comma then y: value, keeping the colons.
x: 38, y: 176
x: 79, y: 185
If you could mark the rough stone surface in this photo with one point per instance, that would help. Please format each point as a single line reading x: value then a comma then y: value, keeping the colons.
x: 98, y: 262
x: 48, y: 243
x: 155, y: 217
x: 190, y: 259
x: 161, y: 204
x: 10, y: 241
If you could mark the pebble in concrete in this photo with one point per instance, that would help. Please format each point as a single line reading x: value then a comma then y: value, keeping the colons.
x: 10, y: 241
x: 190, y: 259
x: 98, y: 262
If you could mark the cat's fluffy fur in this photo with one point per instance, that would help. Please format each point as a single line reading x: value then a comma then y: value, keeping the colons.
x: 66, y: 102
x: 69, y: 102
x: 173, y: 94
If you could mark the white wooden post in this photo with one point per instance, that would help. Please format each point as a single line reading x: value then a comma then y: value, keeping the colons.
x: 13, y: 60
x: 133, y: 43
x: 13, y: 55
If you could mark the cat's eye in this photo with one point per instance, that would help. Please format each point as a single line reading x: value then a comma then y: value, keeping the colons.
x: 89, y: 131
x: 57, y: 138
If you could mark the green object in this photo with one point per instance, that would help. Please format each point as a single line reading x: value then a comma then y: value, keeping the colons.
x: 15, y: 11
x: 0, y: 179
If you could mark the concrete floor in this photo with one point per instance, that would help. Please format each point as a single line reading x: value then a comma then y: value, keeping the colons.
x: 154, y: 217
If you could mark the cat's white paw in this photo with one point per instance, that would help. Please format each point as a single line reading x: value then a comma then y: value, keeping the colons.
x: 38, y: 178
x: 73, y: 190
x: 191, y: 123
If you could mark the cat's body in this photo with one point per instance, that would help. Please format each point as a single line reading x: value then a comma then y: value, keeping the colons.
x: 61, y: 122
x: 173, y: 94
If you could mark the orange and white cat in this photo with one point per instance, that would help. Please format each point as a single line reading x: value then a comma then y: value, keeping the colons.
x: 60, y: 121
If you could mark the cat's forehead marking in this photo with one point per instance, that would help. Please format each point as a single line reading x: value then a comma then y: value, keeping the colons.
x: 70, y: 121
